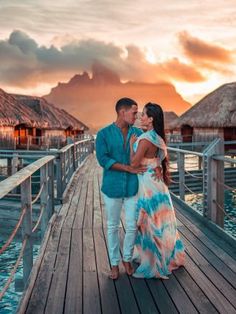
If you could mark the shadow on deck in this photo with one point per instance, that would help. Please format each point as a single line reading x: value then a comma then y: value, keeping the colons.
x: 72, y: 276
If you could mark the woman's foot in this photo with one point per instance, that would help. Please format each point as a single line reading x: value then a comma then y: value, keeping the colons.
x: 114, y: 274
x: 128, y: 268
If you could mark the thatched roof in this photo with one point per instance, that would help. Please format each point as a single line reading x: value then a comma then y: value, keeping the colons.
x: 13, y: 112
x: 170, y: 119
x: 217, y: 109
x: 51, y: 116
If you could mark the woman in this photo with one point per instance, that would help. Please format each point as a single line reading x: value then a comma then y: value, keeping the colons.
x: 159, y: 246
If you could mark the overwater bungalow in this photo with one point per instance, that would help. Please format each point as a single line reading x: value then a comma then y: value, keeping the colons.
x: 58, y: 122
x: 171, y: 119
x: 213, y: 116
x: 28, y: 120
x: 15, y: 120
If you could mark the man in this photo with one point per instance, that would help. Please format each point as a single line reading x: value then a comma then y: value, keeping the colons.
x: 120, y: 182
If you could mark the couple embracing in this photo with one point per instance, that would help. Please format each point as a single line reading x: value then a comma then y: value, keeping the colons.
x: 136, y: 178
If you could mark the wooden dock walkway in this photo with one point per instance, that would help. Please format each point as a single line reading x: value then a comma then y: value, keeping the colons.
x: 72, y: 276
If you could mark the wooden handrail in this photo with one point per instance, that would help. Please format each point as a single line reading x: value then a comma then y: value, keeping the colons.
x: 190, y: 152
x: 225, y: 159
x: 16, y: 179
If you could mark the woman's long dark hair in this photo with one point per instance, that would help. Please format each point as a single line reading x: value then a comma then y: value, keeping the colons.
x: 155, y: 111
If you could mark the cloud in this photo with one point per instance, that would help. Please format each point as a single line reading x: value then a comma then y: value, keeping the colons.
x: 182, y: 71
x: 27, y: 64
x: 198, y: 50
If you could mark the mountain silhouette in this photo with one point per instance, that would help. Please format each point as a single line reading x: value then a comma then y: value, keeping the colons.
x: 92, y: 100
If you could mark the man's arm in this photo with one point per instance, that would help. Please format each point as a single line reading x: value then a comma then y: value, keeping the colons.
x: 107, y: 162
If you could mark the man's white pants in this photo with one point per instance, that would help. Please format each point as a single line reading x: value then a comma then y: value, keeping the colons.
x: 113, y: 207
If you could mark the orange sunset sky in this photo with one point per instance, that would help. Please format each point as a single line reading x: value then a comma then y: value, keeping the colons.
x: 188, y: 43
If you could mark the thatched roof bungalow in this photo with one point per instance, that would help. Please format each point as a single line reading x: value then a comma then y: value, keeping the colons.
x: 23, y: 117
x: 57, y: 122
x: 212, y: 116
x: 170, y: 120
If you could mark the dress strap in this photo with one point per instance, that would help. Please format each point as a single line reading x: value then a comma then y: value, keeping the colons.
x: 155, y: 139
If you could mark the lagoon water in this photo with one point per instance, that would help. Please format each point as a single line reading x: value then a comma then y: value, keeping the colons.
x: 10, y: 301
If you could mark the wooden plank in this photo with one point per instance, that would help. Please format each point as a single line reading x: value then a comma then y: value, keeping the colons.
x: 91, y: 296
x: 56, y: 294
x: 97, y: 217
x: 69, y: 219
x: 226, y: 258
x: 213, y: 259
x: 142, y: 293
x: 211, y: 273
x: 88, y: 216
x: 125, y: 295
x: 74, y: 292
x: 109, y: 300
x: 79, y: 215
x: 198, y: 298
x: 220, y: 242
x: 38, y: 298
x: 208, y: 288
x: 104, y: 221
x: 161, y: 296
x: 91, y: 300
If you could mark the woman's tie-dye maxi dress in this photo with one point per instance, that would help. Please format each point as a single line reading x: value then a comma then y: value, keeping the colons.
x: 159, y: 246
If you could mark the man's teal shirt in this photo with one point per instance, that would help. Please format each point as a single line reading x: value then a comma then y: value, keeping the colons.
x: 111, y: 149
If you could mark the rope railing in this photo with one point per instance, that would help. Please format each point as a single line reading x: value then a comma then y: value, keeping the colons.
x: 5, y: 246
x: 194, y: 193
x: 223, y: 210
x: 224, y: 185
x: 13, y: 271
x: 192, y: 175
x: 38, y: 195
x: 173, y: 181
x: 42, y: 207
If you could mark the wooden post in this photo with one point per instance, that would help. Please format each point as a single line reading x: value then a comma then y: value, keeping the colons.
x: 213, y: 190
x: 59, y: 174
x: 15, y: 161
x: 181, y: 175
x: 14, y: 165
x: 26, y: 197
x: 28, y: 142
x: 44, y: 198
x: 9, y: 166
x: 77, y: 155
x: 51, y: 188
x: 199, y: 162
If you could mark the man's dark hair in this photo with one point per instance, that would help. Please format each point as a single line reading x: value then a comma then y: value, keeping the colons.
x: 126, y: 103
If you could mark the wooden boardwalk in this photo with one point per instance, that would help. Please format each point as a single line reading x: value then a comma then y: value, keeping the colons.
x: 73, y: 273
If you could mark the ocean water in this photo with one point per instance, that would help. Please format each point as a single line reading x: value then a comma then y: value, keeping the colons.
x: 229, y: 206
x: 196, y: 201
x: 9, y: 303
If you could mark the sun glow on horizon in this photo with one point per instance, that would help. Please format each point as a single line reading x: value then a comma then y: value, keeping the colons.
x: 150, y: 56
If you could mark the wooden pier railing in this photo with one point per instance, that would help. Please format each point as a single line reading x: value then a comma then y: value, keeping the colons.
x: 211, y: 178
x: 56, y: 169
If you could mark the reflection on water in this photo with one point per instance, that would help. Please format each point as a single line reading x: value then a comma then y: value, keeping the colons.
x: 8, y: 259
x: 229, y: 206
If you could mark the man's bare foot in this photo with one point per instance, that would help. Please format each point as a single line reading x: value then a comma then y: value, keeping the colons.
x: 114, y: 274
x: 128, y: 268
